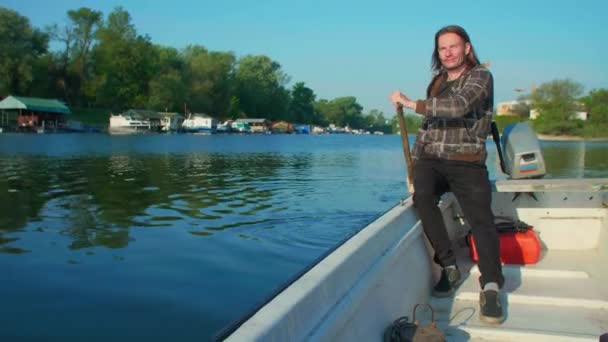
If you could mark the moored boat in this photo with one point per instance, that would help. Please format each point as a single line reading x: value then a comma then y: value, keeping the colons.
x: 199, y: 123
x: 170, y: 121
x: 127, y: 124
x: 223, y: 127
x: 240, y: 127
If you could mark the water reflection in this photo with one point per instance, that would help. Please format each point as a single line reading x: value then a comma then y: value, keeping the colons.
x: 99, y: 199
x: 95, y: 200
x: 578, y: 159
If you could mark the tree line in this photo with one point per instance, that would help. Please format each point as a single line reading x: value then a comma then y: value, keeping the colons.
x: 557, y: 103
x: 103, y: 62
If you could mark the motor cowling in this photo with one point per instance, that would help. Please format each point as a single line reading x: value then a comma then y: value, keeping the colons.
x: 522, y: 154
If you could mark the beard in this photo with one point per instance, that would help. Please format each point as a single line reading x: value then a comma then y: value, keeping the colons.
x: 454, y: 65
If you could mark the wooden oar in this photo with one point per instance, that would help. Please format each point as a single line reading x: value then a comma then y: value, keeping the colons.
x: 409, y: 163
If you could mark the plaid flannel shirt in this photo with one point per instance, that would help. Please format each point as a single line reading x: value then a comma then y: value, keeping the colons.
x: 458, y: 115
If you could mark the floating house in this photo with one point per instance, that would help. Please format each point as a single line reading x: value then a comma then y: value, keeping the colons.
x: 256, y: 125
x: 199, y: 123
x: 318, y: 130
x: 31, y: 114
x: 135, y: 121
x: 240, y: 127
x: 302, y: 128
x: 171, y: 121
x: 281, y: 127
x: 126, y: 124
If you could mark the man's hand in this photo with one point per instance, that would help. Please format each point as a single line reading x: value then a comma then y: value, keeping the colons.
x: 398, y: 98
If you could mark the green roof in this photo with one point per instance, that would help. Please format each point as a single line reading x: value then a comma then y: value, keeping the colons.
x: 34, y: 104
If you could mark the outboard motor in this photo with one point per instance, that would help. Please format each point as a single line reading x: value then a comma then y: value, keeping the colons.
x: 519, y: 152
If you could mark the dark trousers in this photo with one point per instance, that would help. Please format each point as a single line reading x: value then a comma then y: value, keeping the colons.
x: 470, y: 184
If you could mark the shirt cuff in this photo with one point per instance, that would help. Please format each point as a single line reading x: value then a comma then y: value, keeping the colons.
x: 421, y: 107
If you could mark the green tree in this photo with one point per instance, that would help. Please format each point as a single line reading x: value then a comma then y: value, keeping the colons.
x: 209, y: 77
x: 342, y: 111
x: 376, y: 121
x: 412, y: 123
x: 48, y: 80
x: 85, y: 22
x: 58, y: 77
x: 556, y: 102
x: 70, y: 70
x: 260, y: 87
x: 596, y: 104
x: 125, y: 63
x: 168, y: 90
x: 20, y: 45
x: 319, y: 118
x: 64, y: 35
x: 302, y: 104
x: 322, y: 107
x: 234, y: 109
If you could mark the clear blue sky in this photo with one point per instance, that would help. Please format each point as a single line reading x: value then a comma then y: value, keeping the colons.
x: 368, y: 48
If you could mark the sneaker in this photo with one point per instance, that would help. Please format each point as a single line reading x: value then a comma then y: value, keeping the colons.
x: 490, y: 307
x: 450, y: 279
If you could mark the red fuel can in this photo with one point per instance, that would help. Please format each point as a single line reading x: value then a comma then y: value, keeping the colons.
x: 522, y: 248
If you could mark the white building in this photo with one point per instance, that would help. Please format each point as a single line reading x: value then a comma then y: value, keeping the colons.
x: 199, y: 123
x: 580, y: 115
x: 506, y: 107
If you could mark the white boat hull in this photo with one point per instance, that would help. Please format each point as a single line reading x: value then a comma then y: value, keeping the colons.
x: 384, y: 270
x: 128, y: 130
x: 204, y: 130
x: 120, y: 124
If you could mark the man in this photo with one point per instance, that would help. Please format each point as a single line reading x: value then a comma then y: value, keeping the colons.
x: 450, y: 155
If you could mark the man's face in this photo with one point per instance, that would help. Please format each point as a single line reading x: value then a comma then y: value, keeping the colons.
x: 452, y: 50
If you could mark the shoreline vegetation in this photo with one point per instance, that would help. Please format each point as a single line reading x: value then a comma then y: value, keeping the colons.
x: 103, y: 62
x: 98, y: 118
x: 546, y: 137
x: 104, y: 65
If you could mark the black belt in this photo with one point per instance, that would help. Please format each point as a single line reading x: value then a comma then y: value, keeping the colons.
x: 448, y: 123
x: 467, y: 157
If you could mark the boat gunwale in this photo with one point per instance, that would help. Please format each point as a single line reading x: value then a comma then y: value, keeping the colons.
x: 237, y: 324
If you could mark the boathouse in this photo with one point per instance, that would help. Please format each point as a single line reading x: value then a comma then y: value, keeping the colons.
x: 281, y: 127
x: 32, y: 114
x: 257, y: 125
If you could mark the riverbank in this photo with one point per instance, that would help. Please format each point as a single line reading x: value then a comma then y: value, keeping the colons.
x: 547, y: 137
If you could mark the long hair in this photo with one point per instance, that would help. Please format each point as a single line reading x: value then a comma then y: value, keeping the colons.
x: 471, y: 59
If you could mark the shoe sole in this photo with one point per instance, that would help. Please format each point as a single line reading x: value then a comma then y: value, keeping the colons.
x: 450, y: 293
x: 437, y: 294
x: 492, y: 320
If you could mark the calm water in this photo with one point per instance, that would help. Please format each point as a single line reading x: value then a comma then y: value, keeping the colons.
x: 176, y: 236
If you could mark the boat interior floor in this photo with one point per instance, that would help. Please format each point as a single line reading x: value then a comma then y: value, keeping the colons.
x: 564, y: 297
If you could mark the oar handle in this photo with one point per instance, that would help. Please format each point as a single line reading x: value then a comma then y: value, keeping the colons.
x: 409, y: 162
